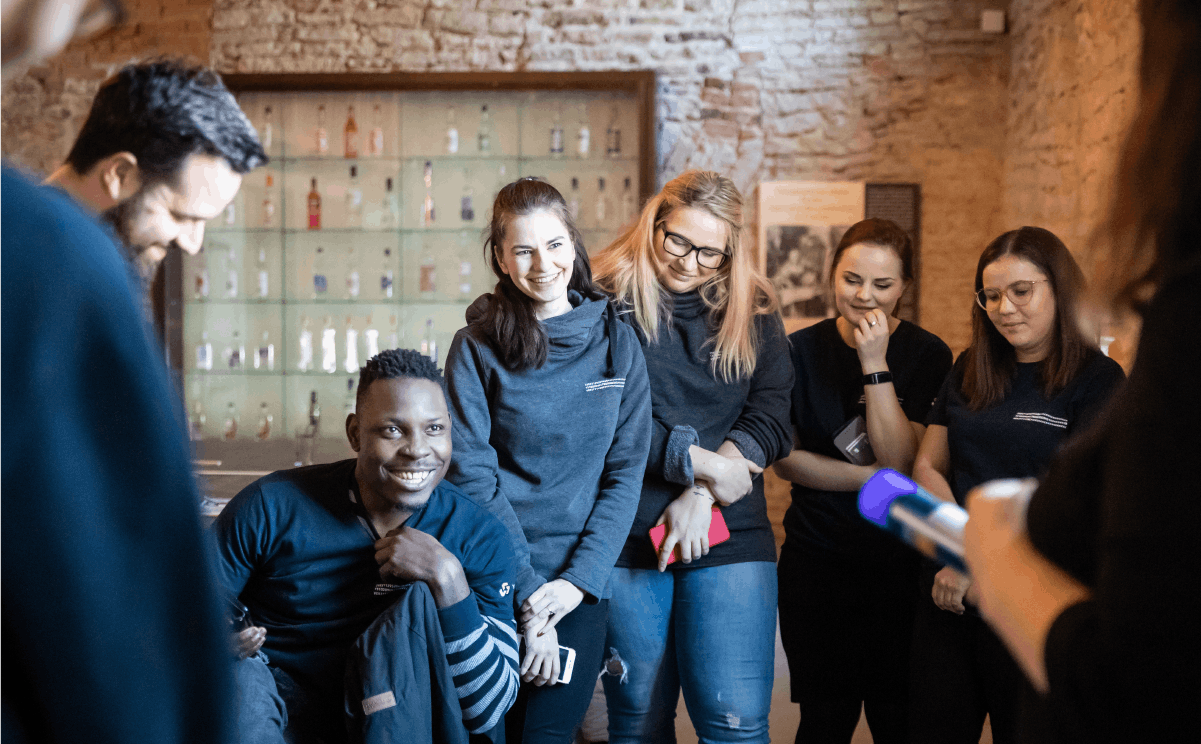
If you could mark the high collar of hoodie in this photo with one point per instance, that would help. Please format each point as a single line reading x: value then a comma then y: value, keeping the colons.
x: 687, y: 305
x: 570, y: 329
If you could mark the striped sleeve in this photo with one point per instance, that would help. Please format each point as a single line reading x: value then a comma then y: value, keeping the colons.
x: 482, y: 653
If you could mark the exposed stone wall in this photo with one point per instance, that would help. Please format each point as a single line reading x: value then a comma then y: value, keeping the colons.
x: 1073, y: 92
x: 44, y: 108
x: 758, y: 89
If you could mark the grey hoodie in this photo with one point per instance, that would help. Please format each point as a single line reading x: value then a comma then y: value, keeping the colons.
x: 557, y: 453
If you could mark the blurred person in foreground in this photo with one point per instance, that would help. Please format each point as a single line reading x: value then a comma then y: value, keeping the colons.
x: 111, y: 626
x: 1098, y: 597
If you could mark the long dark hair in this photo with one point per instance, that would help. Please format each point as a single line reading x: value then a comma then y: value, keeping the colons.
x: 1153, y: 232
x: 991, y: 360
x: 509, y: 322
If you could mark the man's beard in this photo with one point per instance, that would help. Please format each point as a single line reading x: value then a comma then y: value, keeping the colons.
x: 120, y: 218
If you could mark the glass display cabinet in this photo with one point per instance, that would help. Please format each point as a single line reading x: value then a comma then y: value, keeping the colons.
x: 365, y: 231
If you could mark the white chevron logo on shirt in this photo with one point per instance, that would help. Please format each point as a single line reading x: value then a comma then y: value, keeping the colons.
x: 1042, y: 418
x: 616, y: 382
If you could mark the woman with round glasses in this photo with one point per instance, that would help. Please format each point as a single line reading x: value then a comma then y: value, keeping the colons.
x: 1029, y: 380
x: 691, y: 615
x: 847, y: 617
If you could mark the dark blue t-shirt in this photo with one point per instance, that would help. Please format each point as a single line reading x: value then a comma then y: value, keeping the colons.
x: 829, y: 392
x: 300, y: 553
x: 1017, y: 437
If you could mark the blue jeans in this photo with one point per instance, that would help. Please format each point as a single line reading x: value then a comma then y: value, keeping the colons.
x: 709, y: 631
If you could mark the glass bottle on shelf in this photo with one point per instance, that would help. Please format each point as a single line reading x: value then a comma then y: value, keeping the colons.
x: 265, y: 421
x: 231, y: 273
x: 264, y: 357
x: 353, y: 284
x: 196, y: 421
x: 351, y: 362
x: 329, y: 346
x: 314, y: 417
x: 348, y: 400
x: 371, y: 338
x: 464, y: 266
x: 320, y: 280
x: 230, y: 428
x: 427, y: 278
x: 385, y: 275
x: 322, y: 136
x: 314, y: 206
x: 573, y: 200
x: 628, y: 203
x: 391, y: 212
x: 427, y: 204
x: 466, y: 207
x: 484, y: 136
x: 393, y: 333
x: 584, y: 134
x: 375, y: 144
x: 201, y: 284
x: 556, y: 134
x: 264, y: 274
x: 305, y: 346
x: 269, y: 203
x: 354, y: 199
x: 429, y: 345
x: 602, y: 203
x: 350, y: 135
x: 265, y: 135
x: 613, y: 136
x: 204, y: 352
x: 231, y: 214
x: 452, y: 132
x: 235, y: 353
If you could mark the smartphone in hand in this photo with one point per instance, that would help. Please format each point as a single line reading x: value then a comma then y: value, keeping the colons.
x: 718, y: 533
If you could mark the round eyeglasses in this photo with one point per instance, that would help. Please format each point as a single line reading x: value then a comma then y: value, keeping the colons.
x: 680, y: 246
x: 1019, y: 293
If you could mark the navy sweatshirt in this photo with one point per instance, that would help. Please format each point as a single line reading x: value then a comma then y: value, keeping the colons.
x: 299, y: 550
x: 692, y: 406
x: 557, y: 453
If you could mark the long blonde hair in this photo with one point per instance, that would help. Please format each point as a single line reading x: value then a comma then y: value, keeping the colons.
x: 735, y: 294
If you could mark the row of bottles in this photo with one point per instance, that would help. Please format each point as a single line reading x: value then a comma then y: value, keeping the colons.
x: 386, y: 213
x: 353, y: 146
x: 343, y: 349
x: 349, y: 276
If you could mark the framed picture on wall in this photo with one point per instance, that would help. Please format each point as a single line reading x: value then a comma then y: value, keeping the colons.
x: 800, y: 225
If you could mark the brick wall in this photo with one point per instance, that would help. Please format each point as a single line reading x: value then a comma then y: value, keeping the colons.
x: 1074, y: 80
x: 44, y: 108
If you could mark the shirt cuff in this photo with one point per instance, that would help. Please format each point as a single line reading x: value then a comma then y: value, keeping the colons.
x: 749, y: 448
x: 460, y: 618
x: 677, y: 463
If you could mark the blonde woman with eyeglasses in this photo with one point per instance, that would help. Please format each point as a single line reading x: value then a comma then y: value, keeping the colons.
x: 1029, y: 381
x: 691, y: 615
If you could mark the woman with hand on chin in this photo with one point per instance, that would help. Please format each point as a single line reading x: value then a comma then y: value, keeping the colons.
x: 846, y: 619
x: 550, y: 412
x: 719, y: 377
x: 1028, y: 382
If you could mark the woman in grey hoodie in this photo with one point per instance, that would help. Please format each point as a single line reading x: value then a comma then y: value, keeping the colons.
x: 551, y: 424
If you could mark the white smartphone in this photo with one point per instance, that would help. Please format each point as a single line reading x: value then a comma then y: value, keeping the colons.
x: 566, y: 664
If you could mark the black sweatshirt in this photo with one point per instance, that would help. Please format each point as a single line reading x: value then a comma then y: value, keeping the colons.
x: 1119, y: 510
x: 689, y: 405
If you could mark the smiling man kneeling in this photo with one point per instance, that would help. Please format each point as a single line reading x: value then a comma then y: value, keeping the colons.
x: 378, y: 594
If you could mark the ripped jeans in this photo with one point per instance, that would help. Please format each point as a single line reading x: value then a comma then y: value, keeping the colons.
x: 709, y: 631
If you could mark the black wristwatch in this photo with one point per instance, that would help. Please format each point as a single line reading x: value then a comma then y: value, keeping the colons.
x: 875, y: 378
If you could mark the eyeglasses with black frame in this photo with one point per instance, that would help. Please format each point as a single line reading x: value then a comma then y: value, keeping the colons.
x: 1020, y: 293
x: 680, y: 246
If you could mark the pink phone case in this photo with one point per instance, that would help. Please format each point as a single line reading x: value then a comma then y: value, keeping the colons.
x: 718, y: 533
